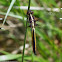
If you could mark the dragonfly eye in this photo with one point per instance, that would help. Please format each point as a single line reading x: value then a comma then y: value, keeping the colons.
x: 29, y: 12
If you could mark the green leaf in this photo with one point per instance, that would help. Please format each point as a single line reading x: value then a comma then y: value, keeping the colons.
x: 9, y: 57
x: 11, y: 5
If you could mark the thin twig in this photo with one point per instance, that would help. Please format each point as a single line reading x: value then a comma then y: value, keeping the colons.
x: 25, y: 33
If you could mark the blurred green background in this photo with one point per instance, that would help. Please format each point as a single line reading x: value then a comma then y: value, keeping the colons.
x: 48, y: 31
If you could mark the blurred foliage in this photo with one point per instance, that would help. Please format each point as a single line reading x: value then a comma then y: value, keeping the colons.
x: 48, y: 31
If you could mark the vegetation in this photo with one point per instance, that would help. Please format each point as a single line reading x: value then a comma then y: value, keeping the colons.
x: 48, y: 31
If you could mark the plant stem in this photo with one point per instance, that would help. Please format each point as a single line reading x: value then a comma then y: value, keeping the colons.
x: 25, y: 34
x: 29, y: 5
x: 24, y: 43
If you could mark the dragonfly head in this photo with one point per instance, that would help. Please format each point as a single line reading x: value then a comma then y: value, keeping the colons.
x: 29, y: 12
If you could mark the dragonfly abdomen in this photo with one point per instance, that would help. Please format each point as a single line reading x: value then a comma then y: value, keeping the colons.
x: 34, y: 41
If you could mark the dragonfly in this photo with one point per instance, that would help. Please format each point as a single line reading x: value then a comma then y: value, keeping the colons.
x: 32, y: 22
